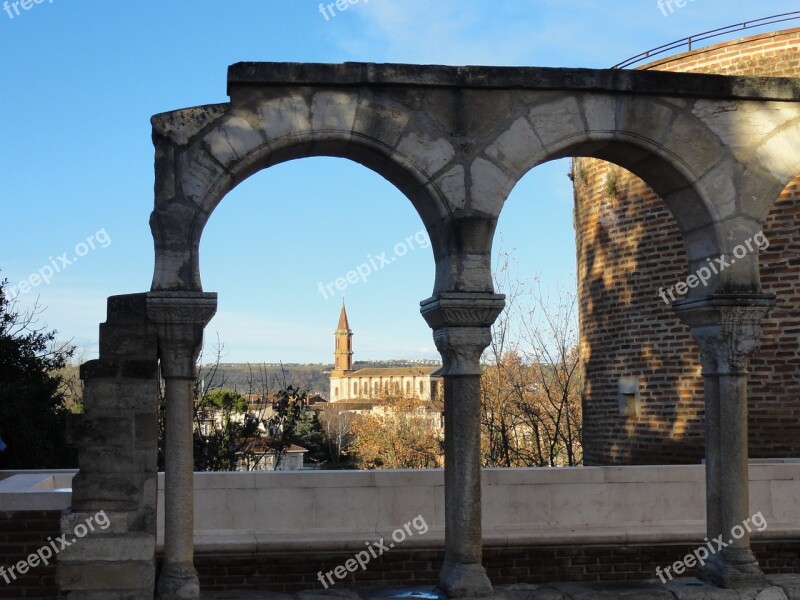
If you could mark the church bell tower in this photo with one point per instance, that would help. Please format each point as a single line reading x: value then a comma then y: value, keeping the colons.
x: 343, y: 352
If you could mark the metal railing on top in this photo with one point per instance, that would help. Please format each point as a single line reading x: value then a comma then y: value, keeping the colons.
x: 625, y: 64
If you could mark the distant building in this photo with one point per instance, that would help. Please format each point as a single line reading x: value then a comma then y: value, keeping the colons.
x: 372, y: 384
x: 259, y: 454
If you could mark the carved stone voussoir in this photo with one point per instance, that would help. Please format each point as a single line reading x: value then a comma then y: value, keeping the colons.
x: 462, y: 309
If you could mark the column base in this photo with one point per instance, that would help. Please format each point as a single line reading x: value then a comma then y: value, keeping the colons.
x: 178, y: 582
x: 464, y: 580
x: 733, y: 568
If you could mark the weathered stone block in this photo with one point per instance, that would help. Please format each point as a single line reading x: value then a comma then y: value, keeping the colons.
x: 117, y: 460
x: 233, y: 139
x: 452, y: 183
x: 638, y: 115
x: 136, y: 577
x: 382, y: 120
x: 334, y: 110
x: 104, y: 432
x: 490, y: 187
x: 554, y: 120
x: 600, y: 112
x: 181, y: 126
x: 429, y: 154
x: 99, y: 369
x: 146, y: 431
x: 286, y: 116
x: 107, y: 492
x: 118, y: 522
x: 109, y: 548
x: 518, y: 149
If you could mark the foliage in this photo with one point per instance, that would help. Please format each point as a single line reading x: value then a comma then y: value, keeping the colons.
x: 71, y: 384
x: 222, y: 424
x: 293, y: 423
x: 400, y: 434
x: 230, y: 431
x: 532, y: 380
x: 610, y: 187
x: 222, y: 428
x: 224, y: 400
x: 33, y: 410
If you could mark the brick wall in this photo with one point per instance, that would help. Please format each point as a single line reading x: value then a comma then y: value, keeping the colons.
x: 628, y: 247
x: 22, y: 534
x: 287, y: 572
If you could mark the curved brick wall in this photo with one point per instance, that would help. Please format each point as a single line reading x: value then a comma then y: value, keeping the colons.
x: 628, y: 246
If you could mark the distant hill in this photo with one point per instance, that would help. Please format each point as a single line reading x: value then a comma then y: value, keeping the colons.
x: 312, y: 377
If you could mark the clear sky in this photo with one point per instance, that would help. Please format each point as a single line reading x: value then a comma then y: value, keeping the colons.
x: 80, y: 80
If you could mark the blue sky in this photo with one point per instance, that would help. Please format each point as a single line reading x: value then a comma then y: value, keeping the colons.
x: 81, y: 80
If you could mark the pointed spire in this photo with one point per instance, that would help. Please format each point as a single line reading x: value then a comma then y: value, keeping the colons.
x: 344, y: 324
x: 343, y: 355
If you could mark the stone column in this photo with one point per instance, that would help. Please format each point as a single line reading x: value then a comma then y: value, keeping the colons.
x: 727, y: 328
x: 462, y: 330
x: 180, y: 319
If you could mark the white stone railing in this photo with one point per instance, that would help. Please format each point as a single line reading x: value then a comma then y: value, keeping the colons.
x: 335, y: 509
x: 321, y: 510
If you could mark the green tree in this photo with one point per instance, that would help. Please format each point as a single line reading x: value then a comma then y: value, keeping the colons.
x: 224, y: 400
x: 222, y: 425
x: 228, y: 427
x: 33, y: 411
x: 292, y: 422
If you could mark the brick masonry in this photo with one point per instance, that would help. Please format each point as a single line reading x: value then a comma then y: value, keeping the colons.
x: 22, y: 534
x: 628, y: 247
x: 295, y: 571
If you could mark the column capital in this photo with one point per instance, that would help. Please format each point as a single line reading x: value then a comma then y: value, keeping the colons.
x: 461, y: 349
x: 461, y: 323
x: 462, y: 309
x: 180, y: 318
x: 181, y: 308
x: 727, y: 327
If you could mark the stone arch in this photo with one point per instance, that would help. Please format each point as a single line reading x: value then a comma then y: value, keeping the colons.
x: 238, y: 144
x: 675, y: 153
x: 770, y: 166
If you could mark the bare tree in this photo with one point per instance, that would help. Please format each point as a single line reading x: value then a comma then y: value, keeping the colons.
x: 531, y: 386
x: 337, y: 427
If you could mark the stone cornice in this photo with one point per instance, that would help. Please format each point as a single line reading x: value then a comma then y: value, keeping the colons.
x: 269, y: 74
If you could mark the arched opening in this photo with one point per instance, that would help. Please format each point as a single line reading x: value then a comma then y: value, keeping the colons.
x: 593, y: 338
x: 531, y: 411
x: 284, y: 249
x: 407, y: 178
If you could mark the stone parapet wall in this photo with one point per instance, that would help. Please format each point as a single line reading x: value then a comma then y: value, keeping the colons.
x: 277, y: 530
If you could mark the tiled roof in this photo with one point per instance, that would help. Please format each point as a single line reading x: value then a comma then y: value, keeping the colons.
x: 262, y: 444
x: 433, y: 371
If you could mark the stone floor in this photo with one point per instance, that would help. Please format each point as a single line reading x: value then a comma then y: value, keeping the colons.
x: 783, y: 587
